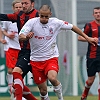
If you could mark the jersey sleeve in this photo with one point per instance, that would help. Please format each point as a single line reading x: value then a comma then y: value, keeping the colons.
x: 86, y: 28
x: 8, y: 17
x: 65, y: 25
x: 27, y: 27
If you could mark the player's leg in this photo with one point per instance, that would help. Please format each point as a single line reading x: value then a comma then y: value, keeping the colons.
x: 91, y: 71
x: 99, y: 79
x: 11, y: 59
x: 99, y: 87
x: 87, y: 87
x: 40, y: 79
x: 9, y: 75
x: 43, y: 91
x: 52, y: 76
x: 52, y: 70
x: 22, y: 67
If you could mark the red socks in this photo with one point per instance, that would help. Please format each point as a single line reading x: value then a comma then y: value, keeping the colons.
x: 18, y: 85
x: 27, y: 94
x: 86, y: 90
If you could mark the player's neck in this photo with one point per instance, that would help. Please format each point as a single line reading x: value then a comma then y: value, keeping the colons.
x: 97, y: 21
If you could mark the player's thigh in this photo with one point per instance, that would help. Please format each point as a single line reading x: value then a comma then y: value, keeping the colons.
x: 38, y: 73
x: 23, y: 63
x: 91, y: 67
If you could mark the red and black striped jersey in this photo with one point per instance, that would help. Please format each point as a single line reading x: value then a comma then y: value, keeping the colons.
x: 92, y: 29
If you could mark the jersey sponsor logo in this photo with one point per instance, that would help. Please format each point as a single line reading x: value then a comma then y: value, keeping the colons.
x: 42, y: 38
x: 94, y: 29
x: 48, y: 37
x: 14, y: 32
x: 39, y: 37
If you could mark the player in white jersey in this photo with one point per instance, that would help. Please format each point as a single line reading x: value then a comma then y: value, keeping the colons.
x: 12, y: 48
x: 44, y: 50
x: 11, y: 44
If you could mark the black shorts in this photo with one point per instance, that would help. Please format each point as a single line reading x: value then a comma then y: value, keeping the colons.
x: 24, y: 61
x: 93, y: 66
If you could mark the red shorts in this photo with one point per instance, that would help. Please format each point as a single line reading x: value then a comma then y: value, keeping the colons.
x: 11, y: 57
x: 40, y: 69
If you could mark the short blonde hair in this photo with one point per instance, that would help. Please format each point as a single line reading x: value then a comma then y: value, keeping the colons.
x: 15, y: 1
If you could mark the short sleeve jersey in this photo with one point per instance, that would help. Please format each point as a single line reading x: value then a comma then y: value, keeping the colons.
x: 11, y: 43
x: 43, y: 43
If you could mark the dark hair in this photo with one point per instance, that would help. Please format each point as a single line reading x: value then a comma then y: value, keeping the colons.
x: 45, y: 7
x: 97, y: 8
x: 32, y: 1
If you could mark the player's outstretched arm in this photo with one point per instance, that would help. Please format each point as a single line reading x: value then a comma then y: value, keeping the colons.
x: 89, y: 39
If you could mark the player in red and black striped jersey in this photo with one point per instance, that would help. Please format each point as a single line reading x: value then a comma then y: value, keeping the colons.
x: 92, y: 29
x: 22, y: 66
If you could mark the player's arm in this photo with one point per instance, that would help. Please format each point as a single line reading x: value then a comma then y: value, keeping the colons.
x: 23, y: 37
x: 3, y: 41
x: 86, y: 30
x: 10, y: 35
x: 93, y: 41
x: 80, y: 38
x: 25, y: 32
x: 8, y: 17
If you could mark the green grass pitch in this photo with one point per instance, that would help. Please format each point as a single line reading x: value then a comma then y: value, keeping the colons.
x: 65, y: 98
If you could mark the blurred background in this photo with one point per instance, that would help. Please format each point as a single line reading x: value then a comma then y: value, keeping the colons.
x: 72, y: 59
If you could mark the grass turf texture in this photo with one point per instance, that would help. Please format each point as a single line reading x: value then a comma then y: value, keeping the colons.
x: 65, y: 98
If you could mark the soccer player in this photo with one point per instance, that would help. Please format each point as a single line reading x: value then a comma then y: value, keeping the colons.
x: 92, y: 29
x: 22, y: 66
x: 44, y: 50
x: 11, y: 44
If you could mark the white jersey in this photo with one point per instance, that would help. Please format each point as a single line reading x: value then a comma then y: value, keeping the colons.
x: 43, y: 43
x: 11, y: 43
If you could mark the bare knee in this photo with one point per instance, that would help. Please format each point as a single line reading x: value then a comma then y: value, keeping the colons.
x: 43, y: 92
x: 10, y: 70
x: 17, y: 69
x: 52, y: 76
x: 53, y: 81
x: 43, y: 89
x: 90, y: 81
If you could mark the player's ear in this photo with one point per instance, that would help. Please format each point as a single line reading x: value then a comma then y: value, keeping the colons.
x: 12, y: 8
x: 33, y: 4
x: 50, y: 14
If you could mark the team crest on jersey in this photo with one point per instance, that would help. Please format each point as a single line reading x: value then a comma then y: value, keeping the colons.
x: 51, y: 30
x: 66, y: 22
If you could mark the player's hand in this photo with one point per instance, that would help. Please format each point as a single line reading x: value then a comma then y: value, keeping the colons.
x: 11, y: 35
x: 29, y: 35
x: 3, y: 41
x: 93, y: 41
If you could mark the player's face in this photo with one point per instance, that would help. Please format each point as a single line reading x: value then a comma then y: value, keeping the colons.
x: 44, y: 16
x: 17, y: 7
x: 96, y: 14
x: 27, y: 5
